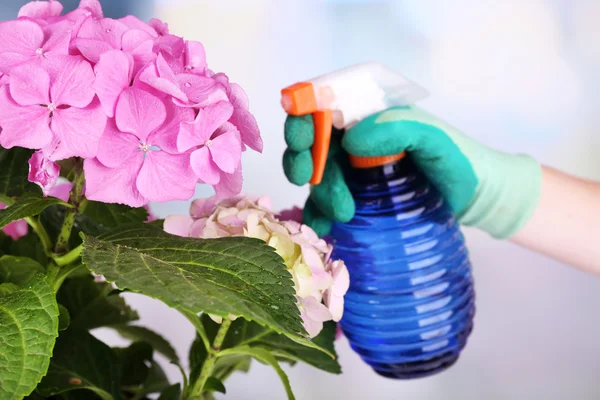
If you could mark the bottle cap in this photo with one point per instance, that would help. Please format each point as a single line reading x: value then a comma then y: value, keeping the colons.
x: 371, y: 162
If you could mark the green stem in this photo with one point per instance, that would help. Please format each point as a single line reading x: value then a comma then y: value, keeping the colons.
x: 68, y: 258
x: 39, y: 229
x: 211, y: 359
x: 77, y: 200
x: 57, y: 275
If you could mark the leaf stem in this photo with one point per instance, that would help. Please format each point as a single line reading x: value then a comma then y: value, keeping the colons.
x: 193, y: 318
x: 78, y: 202
x: 68, y: 258
x: 211, y: 359
x: 39, y: 229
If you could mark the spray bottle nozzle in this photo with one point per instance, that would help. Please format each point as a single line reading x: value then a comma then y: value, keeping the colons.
x: 343, y: 98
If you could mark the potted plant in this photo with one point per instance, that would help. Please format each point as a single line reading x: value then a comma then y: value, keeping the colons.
x: 99, y: 117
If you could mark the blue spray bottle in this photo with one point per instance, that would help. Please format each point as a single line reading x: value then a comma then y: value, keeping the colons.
x: 410, y: 306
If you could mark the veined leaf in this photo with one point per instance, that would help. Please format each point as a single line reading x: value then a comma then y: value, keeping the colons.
x: 239, y: 276
x: 141, y: 334
x: 28, y: 330
x: 265, y: 357
x: 28, y: 205
x: 171, y: 393
x: 18, y: 270
x: 80, y: 361
x: 114, y: 215
x: 93, y: 305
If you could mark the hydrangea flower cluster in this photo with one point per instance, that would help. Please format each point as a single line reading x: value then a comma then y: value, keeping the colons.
x: 320, y: 282
x: 139, y: 104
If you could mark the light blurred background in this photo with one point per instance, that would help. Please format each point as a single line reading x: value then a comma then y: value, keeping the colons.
x: 523, y: 76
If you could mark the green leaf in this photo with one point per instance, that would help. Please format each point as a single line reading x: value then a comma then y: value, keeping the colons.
x: 133, y: 363
x: 8, y: 288
x: 156, y: 382
x: 139, y: 333
x: 18, y: 270
x: 265, y: 357
x: 244, y: 332
x: 91, y: 305
x: 114, y: 215
x: 171, y: 393
x: 64, y: 319
x: 13, y: 172
x: 26, y: 246
x: 28, y: 329
x: 214, y: 385
x: 80, y: 361
x: 27, y: 206
x: 240, y: 276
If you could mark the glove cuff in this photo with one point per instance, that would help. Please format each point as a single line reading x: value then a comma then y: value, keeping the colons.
x: 507, y: 195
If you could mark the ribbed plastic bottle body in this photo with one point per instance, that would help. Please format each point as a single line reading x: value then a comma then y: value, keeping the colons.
x: 410, y: 306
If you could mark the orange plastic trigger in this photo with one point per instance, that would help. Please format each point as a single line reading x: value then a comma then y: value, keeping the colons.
x: 323, y: 122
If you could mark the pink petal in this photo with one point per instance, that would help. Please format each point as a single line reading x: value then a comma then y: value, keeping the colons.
x: 34, y: 134
x: 43, y: 172
x: 195, y: 55
x: 292, y: 214
x: 204, y: 167
x: 41, y: 9
x: 114, y: 72
x: 142, y: 55
x: 179, y: 225
x: 171, y: 44
x: 335, y: 305
x: 134, y: 37
x: 229, y: 184
x: 203, y: 207
x: 312, y: 258
x: 91, y: 49
x: 79, y: 131
x: 62, y: 191
x: 248, y: 127
x: 341, y: 278
x: 208, y: 120
x: 150, y: 76
x: 115, y: 146
x: 19, y: 40
x: 197, y: 229
x: 133, y: 22
x: 114, y: 185
x: 16, y: 230
x: 160, y: 27
x: 139, y: 112
x: 30, y: 84
x: 72, y: 79
x: 200, y: 90
x: 107, y: 30
x: 226, y: 150
x: 166, y: 177
x: 58, y: 40
x: 316, y: 310
x: 238, y: 97
x: 166, y: 135
x: 93, y: 6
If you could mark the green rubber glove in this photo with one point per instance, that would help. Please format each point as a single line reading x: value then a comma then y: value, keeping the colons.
x: 494, y: 191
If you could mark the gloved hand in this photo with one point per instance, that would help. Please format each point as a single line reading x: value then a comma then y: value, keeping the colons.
x: 494, y: 191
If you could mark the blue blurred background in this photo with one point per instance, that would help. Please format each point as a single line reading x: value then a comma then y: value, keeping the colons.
x: 523, y: 76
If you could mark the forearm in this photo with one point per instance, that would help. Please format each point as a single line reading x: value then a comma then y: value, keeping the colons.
x: 566, y: 222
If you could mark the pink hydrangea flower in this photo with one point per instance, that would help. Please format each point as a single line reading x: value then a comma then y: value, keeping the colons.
x: 135, y: 154
x: 316, y: 277
x: 24, y: 40
x: 63, y: 117
x: 43, y: 172
x: 218, y: 147
x: 63, y: 77
x: 41, y: 9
